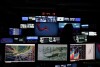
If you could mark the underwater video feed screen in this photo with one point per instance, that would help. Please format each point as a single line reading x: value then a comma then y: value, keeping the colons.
x: 20, y: 53
x: 46, y: 29
x: 52, y: 52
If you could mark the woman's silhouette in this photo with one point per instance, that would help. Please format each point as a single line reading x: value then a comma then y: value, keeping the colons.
x: 66, y: 35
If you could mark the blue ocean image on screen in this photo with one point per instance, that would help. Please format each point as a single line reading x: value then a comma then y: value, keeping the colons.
x: 52, y: 29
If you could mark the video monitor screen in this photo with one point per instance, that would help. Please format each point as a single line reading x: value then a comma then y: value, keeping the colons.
x: 85, y: 25
x: 40, y: 18
x: 75, y: 19
x: 32, y: 39
x: 45, y: 18
x: 67, y: 65
x: 82, y: 52
x: 15, y: 31
x: 24, y: 18
x: 52, y: 52
x: 60, y: 18
x: 85, y: 33
x: 57, y: 65
x: 49, y: 39
x: 30, y: 25
x: 26, y: 26
x: 31, y: 18
x: 72, y: 65
x: 68, y: 19
x: 46, y: 29
x: 51, y: 19
x: 23, y: 26
x: 19, y: 40
x: 19, y: 53
x: 80, y: 39
x: 63, y: 65
x: 97, y: 51
x: 92, y: 33
x: 6, y: 40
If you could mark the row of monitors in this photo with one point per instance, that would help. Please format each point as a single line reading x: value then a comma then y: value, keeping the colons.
x: 35, y: 39
x: 49, y: 19
x: 45, y: 29
x: 50, y: 52
x: 77, y: 65
x: 67, y: 65
x: 60, y: 25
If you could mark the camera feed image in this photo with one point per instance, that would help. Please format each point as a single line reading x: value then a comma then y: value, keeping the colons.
x: 6, y: 40
x: 32, y: 39
x: 19, y: 40
x: 25, y: 19
x: 46, y: 29
x: 52, y: 52
x: 92, y: 33
x: 82, y: 52
x: 45, y: 18
x: 49, y: 39
x: 20, y: 53
x: 80, y: 38
x: 85, y: 33
x: 31, y: 18
x: 85, y: 26
x: 15, y: 31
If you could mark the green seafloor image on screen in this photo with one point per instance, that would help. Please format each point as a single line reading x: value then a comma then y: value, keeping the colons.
x: 19, y: 53
x: 52, y: 52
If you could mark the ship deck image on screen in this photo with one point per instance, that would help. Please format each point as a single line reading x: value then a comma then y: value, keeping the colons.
x: 52, y: 52
x: 19, y: 53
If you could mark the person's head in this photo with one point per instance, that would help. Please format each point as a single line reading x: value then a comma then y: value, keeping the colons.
x: 67, y: 34
x: 68, y: 29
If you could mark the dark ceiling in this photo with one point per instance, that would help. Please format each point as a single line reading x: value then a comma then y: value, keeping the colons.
x: 15, y: 8
x: 23, y: 7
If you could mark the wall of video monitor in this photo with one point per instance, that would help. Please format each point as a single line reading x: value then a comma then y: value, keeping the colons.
x: 51, y: 38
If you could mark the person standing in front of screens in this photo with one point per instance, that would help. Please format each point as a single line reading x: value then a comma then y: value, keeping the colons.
x: 66, y: 35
